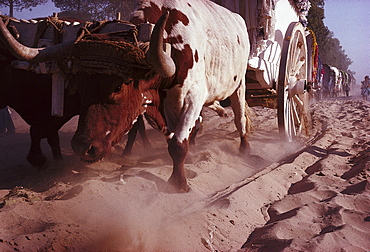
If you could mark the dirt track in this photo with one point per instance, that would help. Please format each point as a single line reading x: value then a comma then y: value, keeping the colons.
x: 284, y: 196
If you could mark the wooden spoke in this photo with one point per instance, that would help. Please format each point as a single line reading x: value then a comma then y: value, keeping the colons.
x: 292, y: 96
x: 298, y: 66
x: 298, y: 102
x: 295, y: 115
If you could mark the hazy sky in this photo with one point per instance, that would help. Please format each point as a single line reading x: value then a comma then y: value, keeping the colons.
x: 39, y: 11
x: 349, y: 20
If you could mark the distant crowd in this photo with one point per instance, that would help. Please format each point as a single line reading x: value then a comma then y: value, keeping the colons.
x: 365, y: 88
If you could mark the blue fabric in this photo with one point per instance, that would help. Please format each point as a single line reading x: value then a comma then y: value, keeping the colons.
x: 365, y: 91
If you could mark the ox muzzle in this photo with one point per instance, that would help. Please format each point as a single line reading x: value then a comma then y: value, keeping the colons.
x: 90, y: 150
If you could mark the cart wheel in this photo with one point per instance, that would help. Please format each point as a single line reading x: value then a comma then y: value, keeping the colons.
x: 293, y: 116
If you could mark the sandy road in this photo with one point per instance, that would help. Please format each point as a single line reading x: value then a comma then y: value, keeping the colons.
x: 284, y: 197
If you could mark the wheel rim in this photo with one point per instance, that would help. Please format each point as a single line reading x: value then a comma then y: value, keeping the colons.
x: 292, y: 96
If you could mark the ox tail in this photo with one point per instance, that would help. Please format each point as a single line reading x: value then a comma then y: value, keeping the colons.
x: 249, y: 115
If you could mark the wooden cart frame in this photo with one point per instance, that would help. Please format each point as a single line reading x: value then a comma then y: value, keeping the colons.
x: 277, y: 74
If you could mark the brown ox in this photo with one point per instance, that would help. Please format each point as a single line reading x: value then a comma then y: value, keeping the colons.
x: 209, y: 52
x: 30, y: 95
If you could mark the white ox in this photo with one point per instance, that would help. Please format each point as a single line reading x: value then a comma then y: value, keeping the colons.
x: 208, y: 62
x: 210, y: 50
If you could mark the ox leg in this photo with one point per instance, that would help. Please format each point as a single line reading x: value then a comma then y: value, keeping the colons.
x: 178, y: 152
x: 196, y: 130
x: 139, y: 125
x: 141, y: 128
x: 216, y: 106
x: 238, y: 104
x: 178, y: 146
x: 35, y: 156
x: 131, y: 139
x: 155, y: 118
x: 54, y: 143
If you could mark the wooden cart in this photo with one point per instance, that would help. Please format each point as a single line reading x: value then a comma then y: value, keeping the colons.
x: 277, y: 74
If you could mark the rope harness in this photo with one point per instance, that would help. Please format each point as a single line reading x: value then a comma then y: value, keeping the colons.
x: 116, y: 53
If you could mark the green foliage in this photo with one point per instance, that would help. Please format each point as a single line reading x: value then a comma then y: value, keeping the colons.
x: 330, y: 50
x: 20, y: 5
x: 95, y: 9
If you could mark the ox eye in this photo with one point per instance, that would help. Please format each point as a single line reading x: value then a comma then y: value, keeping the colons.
x: 117, y: 89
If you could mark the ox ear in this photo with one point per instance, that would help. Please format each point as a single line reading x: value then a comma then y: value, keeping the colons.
x: 161, y: 62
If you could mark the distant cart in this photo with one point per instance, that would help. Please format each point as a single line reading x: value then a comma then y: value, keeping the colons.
x: 280, y: 64
x: 335, y: 82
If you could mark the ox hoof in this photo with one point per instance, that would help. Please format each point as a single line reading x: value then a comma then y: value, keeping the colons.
x: 245, y: 150
x: 126, y: 153
x: 37, y: 161
x: 177, y: 185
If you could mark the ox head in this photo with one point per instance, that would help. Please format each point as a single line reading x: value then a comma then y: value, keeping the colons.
x: 109, y: 106
x: 110, y: 103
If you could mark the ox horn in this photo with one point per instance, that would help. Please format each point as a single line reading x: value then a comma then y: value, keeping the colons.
x: 161, y: 62
x: 33, y: 54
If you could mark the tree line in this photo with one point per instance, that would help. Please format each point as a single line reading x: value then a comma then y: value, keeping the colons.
x: 80, y: 9
x: 330, y: 50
